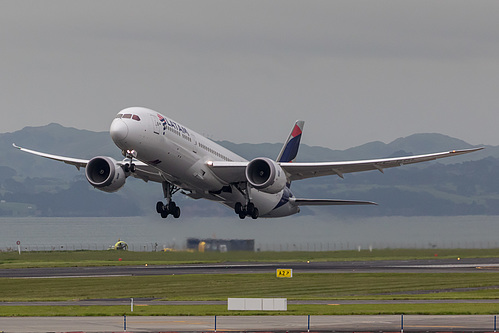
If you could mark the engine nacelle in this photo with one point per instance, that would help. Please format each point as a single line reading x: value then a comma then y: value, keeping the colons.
x: 105, y: 174
x: 265, y: 175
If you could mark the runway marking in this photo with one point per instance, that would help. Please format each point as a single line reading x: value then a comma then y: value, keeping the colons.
x: 450, y: 266
x: 69, y: 276
x: 217, y: 266
x: 489, y: 267
x: 422, y: 326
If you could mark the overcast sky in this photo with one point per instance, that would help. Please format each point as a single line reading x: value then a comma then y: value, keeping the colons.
x: 244, y: 71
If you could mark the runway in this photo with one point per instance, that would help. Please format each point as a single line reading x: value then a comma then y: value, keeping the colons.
x: 390, y: 323
x: 382, y: 266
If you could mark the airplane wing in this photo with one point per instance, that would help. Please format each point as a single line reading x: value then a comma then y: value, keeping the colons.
x: 143, y: 171
x: 233, y: 172
x: 79, y: 163
x: 328, y: 202
x: 297, y: 171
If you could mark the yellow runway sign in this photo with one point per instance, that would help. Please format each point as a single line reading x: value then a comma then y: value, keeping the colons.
x: 284, y: 273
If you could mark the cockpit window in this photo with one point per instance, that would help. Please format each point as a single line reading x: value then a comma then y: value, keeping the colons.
x: 128, y: 116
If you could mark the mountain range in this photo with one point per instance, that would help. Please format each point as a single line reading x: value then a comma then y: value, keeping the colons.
x: 464, y: 185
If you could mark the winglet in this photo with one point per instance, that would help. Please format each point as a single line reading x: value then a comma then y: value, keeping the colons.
x: 290, y: 148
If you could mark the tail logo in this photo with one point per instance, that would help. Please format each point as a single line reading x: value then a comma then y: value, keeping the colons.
x: 290, y: 149
x: 296, y: 131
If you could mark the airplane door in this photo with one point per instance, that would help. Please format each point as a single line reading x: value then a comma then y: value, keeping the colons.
x: 156, y: 124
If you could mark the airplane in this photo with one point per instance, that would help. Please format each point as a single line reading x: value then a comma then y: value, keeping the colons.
x: 159, y: 149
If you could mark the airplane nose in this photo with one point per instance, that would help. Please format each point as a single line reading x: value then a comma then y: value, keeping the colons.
x: 118, y: 130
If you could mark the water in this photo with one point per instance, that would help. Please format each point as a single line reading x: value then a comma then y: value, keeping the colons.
x: 292, y: 233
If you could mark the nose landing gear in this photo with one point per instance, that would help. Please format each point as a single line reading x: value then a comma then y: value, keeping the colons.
x: 130, y: 167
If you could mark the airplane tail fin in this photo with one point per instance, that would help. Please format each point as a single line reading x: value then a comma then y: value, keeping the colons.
x: 290, y: 149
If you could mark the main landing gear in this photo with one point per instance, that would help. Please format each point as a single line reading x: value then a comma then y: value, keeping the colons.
x: 249, y: 209
x: 171, y: 207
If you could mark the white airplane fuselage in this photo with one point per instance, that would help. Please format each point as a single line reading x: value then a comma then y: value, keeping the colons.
x: 182, y: 156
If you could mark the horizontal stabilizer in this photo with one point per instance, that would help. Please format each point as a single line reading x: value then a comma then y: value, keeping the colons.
x: 328, y: 202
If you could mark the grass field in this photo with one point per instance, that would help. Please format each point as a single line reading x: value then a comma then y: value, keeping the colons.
x: 323, y: 286
x: 108, y: 258
x: 221, y: 310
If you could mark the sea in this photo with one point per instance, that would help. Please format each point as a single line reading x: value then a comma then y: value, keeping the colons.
x: 296, y: 233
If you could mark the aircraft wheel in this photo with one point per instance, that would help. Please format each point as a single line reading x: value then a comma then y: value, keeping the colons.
x: 176, y: 212
x: 255, y: 214
x: 159, y: 207
x: 242, y: 215
x: 164, y: 214
x: 250, y: 208
x: 132, y: 168
x: 171, y: 207
x: 238, y: 208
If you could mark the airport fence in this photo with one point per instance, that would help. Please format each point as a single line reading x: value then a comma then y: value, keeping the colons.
x: 146, y: 247
x: 346, y: 246
x: 276, y: 247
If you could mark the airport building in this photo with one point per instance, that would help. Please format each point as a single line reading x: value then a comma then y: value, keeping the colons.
x: 220, y: 245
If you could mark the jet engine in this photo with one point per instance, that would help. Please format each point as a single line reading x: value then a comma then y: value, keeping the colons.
x: 105, y: 174
x: 266, y: 175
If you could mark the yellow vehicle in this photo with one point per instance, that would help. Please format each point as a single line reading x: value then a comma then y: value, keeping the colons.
x: 120, y: 245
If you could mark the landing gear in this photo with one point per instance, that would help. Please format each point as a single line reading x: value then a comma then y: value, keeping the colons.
x: 171, y: 207
x: 246, y: 210
x: 165, y: 210
x: 130, y: 167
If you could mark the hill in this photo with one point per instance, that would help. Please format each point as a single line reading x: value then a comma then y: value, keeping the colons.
x: 467, y: 184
